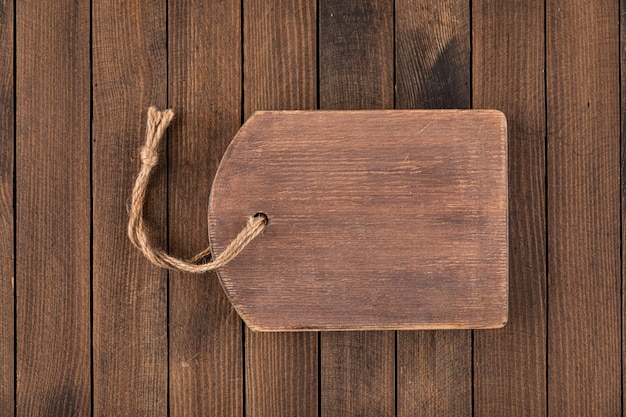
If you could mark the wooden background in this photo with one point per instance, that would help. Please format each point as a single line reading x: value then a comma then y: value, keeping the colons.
x: 88, y: 327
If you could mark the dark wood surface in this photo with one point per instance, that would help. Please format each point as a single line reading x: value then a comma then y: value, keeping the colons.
x: 205, y: 343
x: 53, y: 209
x: 129, y: 295
x: 405, y: 228
x: 516, y: 85
x: 89, y: 327
x: 622, y: 75
x: 583, y: 208
x: 7, y: 199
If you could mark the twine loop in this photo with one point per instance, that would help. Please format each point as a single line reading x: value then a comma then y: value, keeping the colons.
x: 157, y: 124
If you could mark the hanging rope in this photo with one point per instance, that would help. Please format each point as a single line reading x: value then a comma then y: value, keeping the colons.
x: 158, y: 121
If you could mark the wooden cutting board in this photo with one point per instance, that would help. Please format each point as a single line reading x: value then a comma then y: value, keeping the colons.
x: 377, y: 219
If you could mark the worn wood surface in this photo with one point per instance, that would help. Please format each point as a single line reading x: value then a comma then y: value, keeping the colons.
x: 280, y: 72
x: 564, y: 204
x: 52, y: 209
x: 584, y: 284
x: 205, y: 337
x: 7, y: 277
x: 513, y: 360
x: 130, y: 349
x: 408, y: 222
x: 433, y: 48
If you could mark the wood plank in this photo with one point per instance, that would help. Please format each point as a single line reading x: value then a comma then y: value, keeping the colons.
x: 406, y: 210
x: 356, y: 54
x: 434, y: 369
x: 433, y: 54
x: 7, y: 247
x: 356, y: 72
x: 434, y: 373
x: 510, y: 364
x: 206, y: 348
x: 279, y: 55
x: 129, y: 294
x: 280, y: 72
x: 53, y: 208
x: 584, y: 281
x: 269, y: 386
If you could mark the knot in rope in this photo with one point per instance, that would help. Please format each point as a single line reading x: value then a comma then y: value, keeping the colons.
x: 149, y: 156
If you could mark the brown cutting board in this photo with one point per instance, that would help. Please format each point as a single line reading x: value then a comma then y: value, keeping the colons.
x: 377, y: 219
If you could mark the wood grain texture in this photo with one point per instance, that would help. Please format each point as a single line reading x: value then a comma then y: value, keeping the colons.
x: 357, y: 373
x: 434, y: 369
x: 623, y: 183
x: 280, y: 56
x: 584, y: 281
x: 356, y: 72
x: 575, y: 189
x: 281, y: 373
x: 205, y: 349
x: 356, y: 54
x: 510, y: 364
x: 433, y: 54
x: 7, y: 271
x: 378, y: 219
x: 53, y: 209
x: 434, y: 373
x: 129, y: 294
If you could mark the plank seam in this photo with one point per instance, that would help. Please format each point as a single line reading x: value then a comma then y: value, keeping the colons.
x: 242, y: 115
x: 396, y: 372
x: 319, y: 374
x: 471, y: 105
x: 318, y: 15
x: 317, y: 54
x: 14, y: 207
x: 91, y: 209
x: 244, y: 369
x: 545, y: 207
x: 395, y: 104
x: 621, y: 206
x: 168, y: 401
